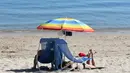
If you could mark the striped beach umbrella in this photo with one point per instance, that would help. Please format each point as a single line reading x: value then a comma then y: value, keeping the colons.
x: 67, y: 24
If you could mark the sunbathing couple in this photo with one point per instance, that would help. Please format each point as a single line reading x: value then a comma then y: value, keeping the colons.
x: 72, y: 65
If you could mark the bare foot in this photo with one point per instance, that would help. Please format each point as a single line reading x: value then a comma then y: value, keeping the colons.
x: 90, y: 66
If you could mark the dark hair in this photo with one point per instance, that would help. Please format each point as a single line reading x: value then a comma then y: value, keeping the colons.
x: 64, y: 63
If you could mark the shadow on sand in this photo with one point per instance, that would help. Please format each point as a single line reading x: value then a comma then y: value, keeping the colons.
x: 43, y: 69
x: 29, y: 70
x: 95, y: 68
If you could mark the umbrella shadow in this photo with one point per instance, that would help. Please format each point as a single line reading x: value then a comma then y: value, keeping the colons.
x: 31, y: 70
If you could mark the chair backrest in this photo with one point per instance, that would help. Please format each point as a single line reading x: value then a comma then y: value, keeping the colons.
x: 48, y: 45
x: 45, y: 42
x: 47, y: 52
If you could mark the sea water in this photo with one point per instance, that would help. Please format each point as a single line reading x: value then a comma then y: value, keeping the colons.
x: 28, y: 14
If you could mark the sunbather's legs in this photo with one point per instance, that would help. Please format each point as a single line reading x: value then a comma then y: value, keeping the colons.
x: 93, y: 62
x: 88, y: 62
x: 90, y: 55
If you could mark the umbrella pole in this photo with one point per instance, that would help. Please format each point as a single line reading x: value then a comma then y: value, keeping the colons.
x: 65, y: 35
x: 64, y: 55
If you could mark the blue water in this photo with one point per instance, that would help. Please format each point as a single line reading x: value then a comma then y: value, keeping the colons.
x: 28, y: 14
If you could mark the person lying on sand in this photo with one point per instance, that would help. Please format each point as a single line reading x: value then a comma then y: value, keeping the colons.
x: 80, y: 66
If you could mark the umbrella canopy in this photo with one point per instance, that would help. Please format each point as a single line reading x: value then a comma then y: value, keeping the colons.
x: 68, y: 24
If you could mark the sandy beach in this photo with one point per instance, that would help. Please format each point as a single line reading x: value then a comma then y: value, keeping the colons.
x: 17, y: 50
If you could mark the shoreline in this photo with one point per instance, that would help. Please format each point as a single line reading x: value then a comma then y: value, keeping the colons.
x: 96, y: 29
x: 112, y: 31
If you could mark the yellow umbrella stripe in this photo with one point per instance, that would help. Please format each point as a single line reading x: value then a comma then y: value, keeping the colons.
x: 65, y: 19
x: 48, y: 25
x: 66, y: 25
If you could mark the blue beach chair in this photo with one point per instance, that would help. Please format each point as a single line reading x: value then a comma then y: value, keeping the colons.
x: 52, y: 52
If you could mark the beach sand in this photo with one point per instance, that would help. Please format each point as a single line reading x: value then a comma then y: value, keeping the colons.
x: 17, y: 50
